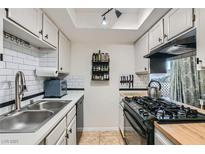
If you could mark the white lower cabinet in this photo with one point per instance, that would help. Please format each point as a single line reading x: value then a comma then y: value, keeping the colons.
x: 64, y: 132
x: 57, y: 132
x: 161, y: 139
x: 71, y: 132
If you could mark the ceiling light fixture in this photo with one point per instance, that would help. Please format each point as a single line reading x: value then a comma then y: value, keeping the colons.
x: 104, y: 21
x: 117, y: 13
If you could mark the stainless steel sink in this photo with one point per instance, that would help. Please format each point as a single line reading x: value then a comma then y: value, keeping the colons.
x: 53, y: 105
x: 24, y: 121
x: 32, y: 117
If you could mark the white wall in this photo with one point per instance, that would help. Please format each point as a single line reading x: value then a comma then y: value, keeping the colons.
x: 102, y: 98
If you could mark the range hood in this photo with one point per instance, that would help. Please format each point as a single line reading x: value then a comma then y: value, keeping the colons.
x: 181, y: 45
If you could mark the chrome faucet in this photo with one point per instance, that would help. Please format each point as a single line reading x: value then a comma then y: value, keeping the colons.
x: 20, y: 88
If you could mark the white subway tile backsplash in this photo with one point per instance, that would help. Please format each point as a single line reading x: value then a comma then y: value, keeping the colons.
x: 2, y: 64
x: 75, y: 81
x: 2, y: 78
x: 18, y: 58
x: 10, y: 52
x: 10, y: 65
x: 8, y: 58
x: 6, y: 71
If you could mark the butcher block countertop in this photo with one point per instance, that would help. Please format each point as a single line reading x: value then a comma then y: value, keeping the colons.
x: 186, y: 133
x: 133, y: 93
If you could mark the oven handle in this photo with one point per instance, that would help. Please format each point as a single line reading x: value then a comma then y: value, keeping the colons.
x: 140, y: 132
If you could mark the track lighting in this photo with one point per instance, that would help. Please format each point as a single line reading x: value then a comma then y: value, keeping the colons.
x: 104, y: 21
x: 117, y: 13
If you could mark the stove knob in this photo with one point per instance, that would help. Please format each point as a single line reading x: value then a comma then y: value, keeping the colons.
x: 145, y: 114
x: 140, y: 110
x: 182, y: 107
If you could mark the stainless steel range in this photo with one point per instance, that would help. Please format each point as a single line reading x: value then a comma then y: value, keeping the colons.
x: 141, y: 112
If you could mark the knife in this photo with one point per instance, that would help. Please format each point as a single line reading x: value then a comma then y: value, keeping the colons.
x: 132, y: 81
x: 129, y: 81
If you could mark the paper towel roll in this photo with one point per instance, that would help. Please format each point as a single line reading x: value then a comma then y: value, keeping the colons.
x: 46, y: 72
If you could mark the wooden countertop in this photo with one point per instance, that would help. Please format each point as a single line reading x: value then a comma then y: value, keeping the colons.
x: 133, y: 93
x: 186, y: 133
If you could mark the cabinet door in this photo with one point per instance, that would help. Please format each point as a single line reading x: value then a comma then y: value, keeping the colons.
x: 200, y: 37
x: 71, y: 132
x: 64, y: 54
x: 57, y: 132
x: 141, y: 49
x: 50, y: 31
x: 29, y: 18
x: 178, y: 21
x: 156, y: 35
x: 62, y: 140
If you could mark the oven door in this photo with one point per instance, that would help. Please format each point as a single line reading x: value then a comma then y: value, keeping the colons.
x: 134, y: 133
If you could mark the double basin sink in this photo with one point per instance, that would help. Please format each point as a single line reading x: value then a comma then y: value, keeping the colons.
x: 32, y: 117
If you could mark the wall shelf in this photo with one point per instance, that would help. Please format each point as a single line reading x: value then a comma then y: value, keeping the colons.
x: 100, y: 67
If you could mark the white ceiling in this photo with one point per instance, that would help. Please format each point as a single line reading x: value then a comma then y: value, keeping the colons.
x: 84, y: 24
x: 130, y: 18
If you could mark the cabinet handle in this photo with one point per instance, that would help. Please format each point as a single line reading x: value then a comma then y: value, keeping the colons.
x: 198, y: 61
x: 61, y: 68
x: 70, y: 130
x: 67, y: 136
x: 159, y: 39
x: 41, y: 32
x: 165, y: 35
x: 46, y: 36
x: 145, y: 68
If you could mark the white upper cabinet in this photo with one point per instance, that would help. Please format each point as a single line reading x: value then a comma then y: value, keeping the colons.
x: 200, y: 37
x: 177, y: 21
x: 156, y: 35
x: 141, y: 49
x: 64, y: 53
x: 50, y: 31
x: 29, y: 18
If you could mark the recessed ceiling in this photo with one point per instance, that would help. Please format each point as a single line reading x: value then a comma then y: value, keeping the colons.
x: 84, y: 24
x: 131, y: 18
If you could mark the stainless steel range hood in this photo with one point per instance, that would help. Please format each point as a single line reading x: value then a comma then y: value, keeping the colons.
x: 184, y: 44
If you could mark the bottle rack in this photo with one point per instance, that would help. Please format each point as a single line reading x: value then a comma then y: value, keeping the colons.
x: 100, y: 67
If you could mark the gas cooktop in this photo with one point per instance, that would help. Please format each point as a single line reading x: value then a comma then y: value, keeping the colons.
x: 162, y: 110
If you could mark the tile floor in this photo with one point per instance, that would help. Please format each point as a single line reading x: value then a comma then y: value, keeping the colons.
x: 101, y: 138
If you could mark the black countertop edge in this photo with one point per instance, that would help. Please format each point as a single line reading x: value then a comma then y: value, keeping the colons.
x: 75, y: 89
x: 24, y: 99
x: 132, y: 89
